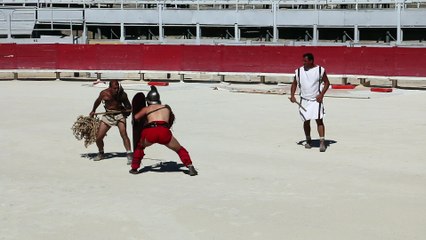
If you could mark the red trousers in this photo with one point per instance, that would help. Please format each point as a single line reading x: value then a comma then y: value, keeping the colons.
x: 161, y: 135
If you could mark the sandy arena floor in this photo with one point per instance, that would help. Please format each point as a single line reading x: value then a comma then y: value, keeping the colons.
x: 254, y: 182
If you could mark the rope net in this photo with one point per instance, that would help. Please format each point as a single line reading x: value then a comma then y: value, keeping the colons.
x: 86, y: 128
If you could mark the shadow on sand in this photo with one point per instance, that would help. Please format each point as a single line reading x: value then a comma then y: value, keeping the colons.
x: 160, y: 167
x: 316, y: 143
x: 164, y: 167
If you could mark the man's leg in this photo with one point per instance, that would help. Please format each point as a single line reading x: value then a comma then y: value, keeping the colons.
x: 103, y: 129
x: 126, y: 141
x: 307, y: 129
x: 137, y: 159
x: 321, y: 132
x: 183, y: 155
x: 138, y: 155
x: 123, y: 133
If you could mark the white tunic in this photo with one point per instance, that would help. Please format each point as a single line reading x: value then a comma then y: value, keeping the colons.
x: 311, y: 85
x: 309, y: 82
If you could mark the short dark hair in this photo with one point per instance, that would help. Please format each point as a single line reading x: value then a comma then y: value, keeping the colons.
x: 309, y: 56
x: 112, y: 81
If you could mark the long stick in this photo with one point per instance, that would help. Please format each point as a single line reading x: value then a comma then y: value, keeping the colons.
x: 112, y: 112
x: 300, y: 105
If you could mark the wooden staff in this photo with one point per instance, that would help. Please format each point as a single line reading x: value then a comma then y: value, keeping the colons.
x: 112, y: 112
x: 300, y: 105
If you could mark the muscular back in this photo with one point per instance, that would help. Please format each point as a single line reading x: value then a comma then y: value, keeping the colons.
x: 156, y: 112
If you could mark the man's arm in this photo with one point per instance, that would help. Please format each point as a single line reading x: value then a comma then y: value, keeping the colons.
x: 96, y: 104
x: 126, y: 102
x: 140, y: 114
x: 127, y: 105
x: 293, y: 90
x: 324, y: 90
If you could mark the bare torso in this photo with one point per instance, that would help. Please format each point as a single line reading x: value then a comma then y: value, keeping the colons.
x: 110, y: 101
x: 153, y: 113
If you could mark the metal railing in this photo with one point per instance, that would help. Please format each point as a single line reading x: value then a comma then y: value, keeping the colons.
x: 204, y: 2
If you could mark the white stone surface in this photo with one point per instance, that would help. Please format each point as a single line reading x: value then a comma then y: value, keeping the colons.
x: 254, y: 181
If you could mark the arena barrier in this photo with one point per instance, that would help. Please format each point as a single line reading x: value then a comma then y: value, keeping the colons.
x: 390, y: 62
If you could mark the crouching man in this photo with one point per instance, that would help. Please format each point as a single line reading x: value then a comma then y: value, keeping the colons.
x: 158, y: 119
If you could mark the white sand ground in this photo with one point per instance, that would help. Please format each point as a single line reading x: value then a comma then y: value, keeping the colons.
x: 254, y: 181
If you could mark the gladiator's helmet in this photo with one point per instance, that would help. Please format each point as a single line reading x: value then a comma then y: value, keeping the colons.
x: 153, y: 96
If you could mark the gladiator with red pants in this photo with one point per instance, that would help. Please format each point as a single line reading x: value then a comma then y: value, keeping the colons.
x: 159, y: 119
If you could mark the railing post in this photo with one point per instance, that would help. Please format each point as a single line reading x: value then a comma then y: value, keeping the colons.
x: 236, y: 32
x: 356, y: 34
x: 9, y: 26
x: 160, y: 22
x: 315, y: 35
x: 275, y: 7
x: 398, y: 22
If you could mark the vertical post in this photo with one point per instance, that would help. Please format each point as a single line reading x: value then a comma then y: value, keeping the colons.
x: 398, y: 22
x: 315, y: 35
x: 160, y: 22
x: 84, y: 32
x: 51, y: 16
x: 274, y: 24
x: 356, y: 34
x: 236, y: 29
x: 122, y: 31
x: 236, y: 33
x: 99, y: 33
x: 9, y: 26
x: 72, y: 32
x: 198, y: 33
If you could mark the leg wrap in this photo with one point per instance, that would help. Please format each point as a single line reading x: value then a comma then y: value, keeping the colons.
x: 184, y: 156
x: 137, y: 157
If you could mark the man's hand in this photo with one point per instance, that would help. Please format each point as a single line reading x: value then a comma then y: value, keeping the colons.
x: 292, y: 99
x: 92, y: 113
x: 127, y: 112
x: 320, y: 98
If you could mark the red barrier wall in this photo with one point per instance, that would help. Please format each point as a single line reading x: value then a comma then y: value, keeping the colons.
x: 386, y: 61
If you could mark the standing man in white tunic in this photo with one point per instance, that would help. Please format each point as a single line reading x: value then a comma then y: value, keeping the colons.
x: 313, y: 83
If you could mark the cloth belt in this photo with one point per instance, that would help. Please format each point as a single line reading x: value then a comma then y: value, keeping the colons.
x: 314, y: 100
x: 157, y: 124
x: 113, y: 112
